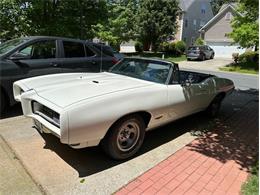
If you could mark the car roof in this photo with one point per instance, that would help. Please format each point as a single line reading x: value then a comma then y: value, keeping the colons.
x: 56, y: 37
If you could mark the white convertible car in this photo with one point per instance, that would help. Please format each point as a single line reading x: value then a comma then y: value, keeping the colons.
x: 115, y: 108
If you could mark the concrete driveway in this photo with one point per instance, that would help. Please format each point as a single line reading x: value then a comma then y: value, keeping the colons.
x: 210, y: 65
x: 58, y: 169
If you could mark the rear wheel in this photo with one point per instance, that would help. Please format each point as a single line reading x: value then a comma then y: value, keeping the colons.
x: 125, y: 137
x: 203, y: 57
x: 214, y: 107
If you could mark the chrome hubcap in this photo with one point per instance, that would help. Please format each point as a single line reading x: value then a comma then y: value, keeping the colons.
x: 128, y: 136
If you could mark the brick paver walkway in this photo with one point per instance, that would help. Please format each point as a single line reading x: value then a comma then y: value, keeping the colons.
x: 216, y: 163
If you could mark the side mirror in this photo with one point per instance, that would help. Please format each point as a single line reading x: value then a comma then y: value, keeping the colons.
x: 186, y: 83
x: 18, y: 56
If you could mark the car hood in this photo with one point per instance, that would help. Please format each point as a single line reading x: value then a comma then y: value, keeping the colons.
x: 66, y: 89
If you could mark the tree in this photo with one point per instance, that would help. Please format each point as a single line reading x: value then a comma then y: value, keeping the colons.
x: 50, y: 17
x: 156, y: 20
x: 199, y: 41
x: 246, y: 24
x: 119, y: 25
x: 12, y: 19
x: 64, y: 17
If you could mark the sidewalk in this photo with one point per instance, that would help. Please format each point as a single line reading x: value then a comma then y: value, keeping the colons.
x: 216, y: 163
x: 13, y: 177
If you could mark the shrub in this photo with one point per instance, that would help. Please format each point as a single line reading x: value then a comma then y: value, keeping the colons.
x: 172, y: 48
x: 164, y: 47
x: 199, y: 41
x: 249, y: 56
x: 139, y: 47
x: 180, y: 46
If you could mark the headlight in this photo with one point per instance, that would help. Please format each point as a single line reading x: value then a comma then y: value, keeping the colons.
x: 46, y: 113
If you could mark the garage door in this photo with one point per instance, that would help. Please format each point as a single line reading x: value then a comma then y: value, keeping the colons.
x: 225, y: 50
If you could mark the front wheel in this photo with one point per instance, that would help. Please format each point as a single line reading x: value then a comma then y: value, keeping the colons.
x: 125, y: 137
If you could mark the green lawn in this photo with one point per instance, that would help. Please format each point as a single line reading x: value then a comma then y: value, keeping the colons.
x: 251, y: 186
x: 159, y: 56
x: 247, y: 67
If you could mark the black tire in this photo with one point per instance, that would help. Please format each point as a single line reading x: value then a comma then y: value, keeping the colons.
x: 214, y: 107
x: 212, y: 56
x: 3, y: 102
x: 113, y: 143
x: 203, y: 58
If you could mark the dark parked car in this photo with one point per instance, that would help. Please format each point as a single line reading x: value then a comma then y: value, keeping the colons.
x: 109, y: 51
x: 200, y: 53
x: 39, y: 55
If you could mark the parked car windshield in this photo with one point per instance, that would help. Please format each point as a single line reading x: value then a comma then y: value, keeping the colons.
x: 148, y: 70
x: 8, y: 45
x: 193, y: 48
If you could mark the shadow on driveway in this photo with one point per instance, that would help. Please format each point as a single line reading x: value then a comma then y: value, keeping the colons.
x: 92, y: 160
x: 231, y: 143
x: 234, y: 137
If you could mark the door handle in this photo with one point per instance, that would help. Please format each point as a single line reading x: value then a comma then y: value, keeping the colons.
x: 54, y: 64
x: 93, y: 62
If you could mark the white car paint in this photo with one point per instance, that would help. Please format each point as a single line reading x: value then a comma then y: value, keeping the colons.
x: 90, y: 103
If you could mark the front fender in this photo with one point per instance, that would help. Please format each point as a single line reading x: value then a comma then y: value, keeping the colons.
x: 91, y: 120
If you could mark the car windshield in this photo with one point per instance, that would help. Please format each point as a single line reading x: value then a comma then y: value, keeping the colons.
x: 149, y: 70
x: 8, y: 45
x: 194, y: 48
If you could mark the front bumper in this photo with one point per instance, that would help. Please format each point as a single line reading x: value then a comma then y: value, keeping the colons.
x: 42, y: 127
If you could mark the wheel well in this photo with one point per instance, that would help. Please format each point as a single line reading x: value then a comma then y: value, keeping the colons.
x: 146, y: 116
x: 5, y: 94
x: 222, y: 95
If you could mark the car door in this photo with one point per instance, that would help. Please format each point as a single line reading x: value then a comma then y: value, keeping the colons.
x: 180, y: 97
x: 187, y: 98
x: 37, y: 58
x: 78, y: 58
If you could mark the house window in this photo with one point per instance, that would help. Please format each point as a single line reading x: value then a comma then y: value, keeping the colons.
x: 228, y: 16
x: 186, y: 23
x: 194, y: 22
x: 203, y: 8
x: 202, y: 23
